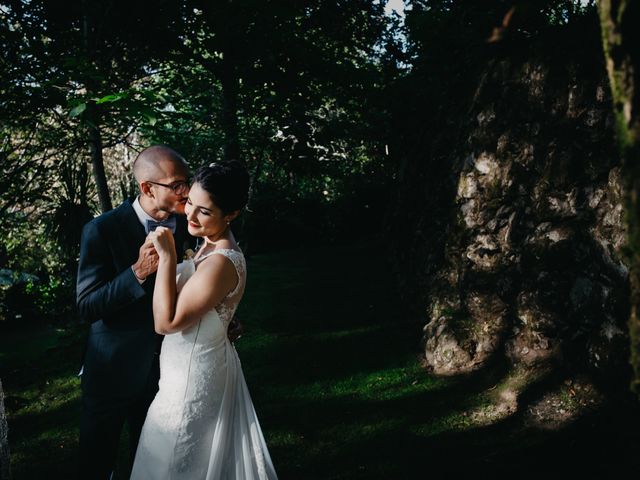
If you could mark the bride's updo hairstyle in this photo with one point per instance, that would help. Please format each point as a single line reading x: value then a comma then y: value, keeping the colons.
x: 226, y: 182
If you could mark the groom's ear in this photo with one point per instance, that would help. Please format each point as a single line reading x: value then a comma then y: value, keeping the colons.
x: 145, y: 189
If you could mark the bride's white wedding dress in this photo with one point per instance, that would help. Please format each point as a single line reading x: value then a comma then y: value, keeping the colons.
x: 202, y: 424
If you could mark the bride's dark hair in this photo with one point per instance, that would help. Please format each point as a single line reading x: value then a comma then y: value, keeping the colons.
x: 226, y: 182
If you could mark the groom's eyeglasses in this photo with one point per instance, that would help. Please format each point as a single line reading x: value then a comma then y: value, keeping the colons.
x: 179, y: 188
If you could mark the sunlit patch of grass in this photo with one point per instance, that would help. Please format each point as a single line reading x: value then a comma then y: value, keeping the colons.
x: 43, y: 421
x: 387, y: 384
x: 43, y: 428
x: 284, y: 439
x: 39, y: 373
x: 48, y: 395
x: 455, y: 421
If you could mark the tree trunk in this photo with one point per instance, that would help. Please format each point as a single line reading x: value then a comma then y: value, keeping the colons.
x: 246, y: 221
x: 92, y: 115
x: 97, y: 161
x: 229, y: 114
x: 5, y: 472
x: 510, y: 218
x: 619, y: 21
x: 223, y: 20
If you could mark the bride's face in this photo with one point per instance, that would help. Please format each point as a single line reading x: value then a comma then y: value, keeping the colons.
x: 204, y: 217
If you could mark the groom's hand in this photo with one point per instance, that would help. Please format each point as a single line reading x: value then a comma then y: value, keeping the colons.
x: 147, y: 260
x: 235, y: 330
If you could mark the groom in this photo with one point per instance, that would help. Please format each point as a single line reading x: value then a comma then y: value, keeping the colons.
x: 116, y: 276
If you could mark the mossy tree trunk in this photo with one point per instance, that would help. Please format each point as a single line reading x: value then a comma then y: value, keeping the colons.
x: 4, y: 442
x: 510, y: 218
x: 619, y: 20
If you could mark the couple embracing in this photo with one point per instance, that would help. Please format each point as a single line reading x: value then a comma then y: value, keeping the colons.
x: 158, y: 355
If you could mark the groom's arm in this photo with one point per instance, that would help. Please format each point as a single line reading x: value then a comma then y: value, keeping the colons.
x: 101, y: 292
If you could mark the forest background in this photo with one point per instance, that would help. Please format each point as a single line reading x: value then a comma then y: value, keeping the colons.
x: 478, y: 145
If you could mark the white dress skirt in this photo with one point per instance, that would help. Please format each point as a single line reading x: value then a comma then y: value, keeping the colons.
x: 202, y: 424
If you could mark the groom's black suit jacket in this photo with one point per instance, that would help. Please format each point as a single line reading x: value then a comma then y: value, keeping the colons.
x: 119, y: 357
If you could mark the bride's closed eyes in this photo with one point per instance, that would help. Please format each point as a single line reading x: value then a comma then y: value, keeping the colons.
x: 202, y: 210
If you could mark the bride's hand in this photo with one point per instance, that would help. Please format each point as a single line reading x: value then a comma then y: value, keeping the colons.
x: 162, y: 239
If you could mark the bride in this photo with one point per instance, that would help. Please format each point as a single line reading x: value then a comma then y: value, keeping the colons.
x: 202, y: 424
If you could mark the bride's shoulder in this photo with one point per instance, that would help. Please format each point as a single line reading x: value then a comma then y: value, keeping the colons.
x: 218, y: 257
x: 226, y: 244
x: 218, y: 267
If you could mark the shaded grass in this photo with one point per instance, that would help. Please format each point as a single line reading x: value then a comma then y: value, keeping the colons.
x: 42, y: 400
x: 331, y: 363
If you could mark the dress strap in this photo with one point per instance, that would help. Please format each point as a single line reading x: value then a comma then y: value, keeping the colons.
x: 237, y: 258
x: 230, y: 253
x: 202, y: 257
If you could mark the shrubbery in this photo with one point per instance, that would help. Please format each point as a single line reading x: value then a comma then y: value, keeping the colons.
x: 28, y: 299
x: 37, y: 276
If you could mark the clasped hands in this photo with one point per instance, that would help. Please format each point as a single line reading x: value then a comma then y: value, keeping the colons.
x: 160, y: 243
x: 148, y: 257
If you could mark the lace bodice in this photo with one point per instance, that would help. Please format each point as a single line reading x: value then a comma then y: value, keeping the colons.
x: 229, y: 304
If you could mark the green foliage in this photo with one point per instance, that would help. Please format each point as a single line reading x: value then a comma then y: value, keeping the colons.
x: 38, y: 273
x: 310, y: 98
x: 302, y: 84
x: 48, y: 300
x: 308, y: 121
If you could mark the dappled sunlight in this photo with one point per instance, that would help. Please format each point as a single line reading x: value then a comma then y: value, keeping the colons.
x: 437, y: 213
x: 43, y: 428
x: 344, y: 400
x: 381, y: 385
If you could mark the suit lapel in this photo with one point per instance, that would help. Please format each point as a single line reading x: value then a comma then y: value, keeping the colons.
x: 132, y: 225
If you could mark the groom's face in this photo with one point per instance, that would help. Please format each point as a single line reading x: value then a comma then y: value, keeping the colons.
x: 167, y: 199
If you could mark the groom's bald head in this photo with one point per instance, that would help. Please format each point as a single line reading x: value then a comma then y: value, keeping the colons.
x: 156, y: 161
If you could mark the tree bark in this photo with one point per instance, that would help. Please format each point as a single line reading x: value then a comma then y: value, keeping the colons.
x: 229, y: 114
x: 619, y: 20
x: 227, y: 35
x: 97, y: 161
x: 5, y: 471
x: 248, y: 213
x: 92, y: 115
x: 509, y: 221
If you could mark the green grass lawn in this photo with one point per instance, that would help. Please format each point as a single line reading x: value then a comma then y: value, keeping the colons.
x: 332, y: 366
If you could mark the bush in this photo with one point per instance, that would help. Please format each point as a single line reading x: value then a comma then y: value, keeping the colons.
x: 28, y: 299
